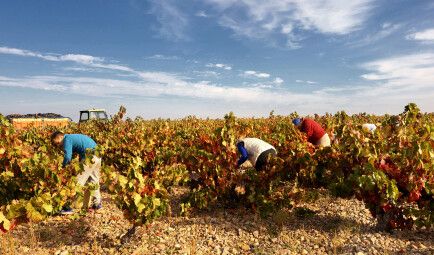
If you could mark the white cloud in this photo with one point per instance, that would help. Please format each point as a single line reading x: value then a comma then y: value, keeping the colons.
x: 82, y: 69
x: 332, y: 16
x: 387, y: 29
x: 219, y: 65
x: 258, y: 19
x: 393, y: 82
x: 77, y: 58
x: 401, y: 79
x: 149, y: 84
x: 115, y: 67
x: 274, y: 85
x: 207, y: 73
x: 306, y: 82
x: 252, y: 73
x: 87, y: 60
x: 156, y: 84
x: 202, y: 14
x: 19, y: 52
x: 414, y: 70
x: 425, y: 36
x: 173, y: 23
x: 278, y: 81
x: 162, y: 57
x: 249, y: 29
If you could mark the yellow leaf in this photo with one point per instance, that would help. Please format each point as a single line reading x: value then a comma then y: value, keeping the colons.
x: 137, y: 198
x: 156, y: 185
x: 122, y: 180
x: 6, y: 222
x: 140, y: 207
x: 157, y: 202
x: 47, y: 207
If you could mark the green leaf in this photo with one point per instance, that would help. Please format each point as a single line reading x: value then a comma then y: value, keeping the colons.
x: 392, y: 191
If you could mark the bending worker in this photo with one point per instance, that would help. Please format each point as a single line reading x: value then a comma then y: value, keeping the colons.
x: 78, y: 144
x: 256, y: 151
x: 315, y: 133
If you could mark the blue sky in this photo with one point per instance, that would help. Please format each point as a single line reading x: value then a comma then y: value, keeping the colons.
x: 172, y: 58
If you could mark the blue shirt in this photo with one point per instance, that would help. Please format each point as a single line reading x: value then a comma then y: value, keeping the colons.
x: 244, y: 154
x: 76, y: 143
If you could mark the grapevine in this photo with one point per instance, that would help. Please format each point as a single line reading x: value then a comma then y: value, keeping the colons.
x: 391, y: 169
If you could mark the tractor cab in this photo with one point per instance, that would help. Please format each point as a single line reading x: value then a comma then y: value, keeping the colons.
x: 93, y: 114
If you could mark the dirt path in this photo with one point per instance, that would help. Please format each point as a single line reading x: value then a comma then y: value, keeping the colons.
x: 327, y: 226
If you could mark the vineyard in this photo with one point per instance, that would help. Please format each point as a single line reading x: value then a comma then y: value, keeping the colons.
x: 390, y: 170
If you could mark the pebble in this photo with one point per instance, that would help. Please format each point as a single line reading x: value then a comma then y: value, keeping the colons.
x: 256, y: 233
x: 62, y: 252
x: 244, y: 246
x: 225, y: 251
x: 161, y: 246
x: 227, y: 232
x: 210, y: 242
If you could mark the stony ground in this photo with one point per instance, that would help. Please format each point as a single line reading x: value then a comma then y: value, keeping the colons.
x: 326, y: 226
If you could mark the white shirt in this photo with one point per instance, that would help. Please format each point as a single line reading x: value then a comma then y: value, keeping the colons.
x: 255, y: 147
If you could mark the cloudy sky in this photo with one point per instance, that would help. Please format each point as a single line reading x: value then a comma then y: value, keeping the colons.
x: 173, y: 58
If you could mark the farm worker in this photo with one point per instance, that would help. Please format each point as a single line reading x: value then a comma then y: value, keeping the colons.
x: 78, y: 144
x: 315, y: 133
x: 256, y: 151
x: 369, y: 127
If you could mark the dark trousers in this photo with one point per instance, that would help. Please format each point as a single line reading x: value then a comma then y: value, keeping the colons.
x: 262, y: 160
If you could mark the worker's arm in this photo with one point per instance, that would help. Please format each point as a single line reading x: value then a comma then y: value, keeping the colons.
x: 67, y: 150
x: 244, y: 154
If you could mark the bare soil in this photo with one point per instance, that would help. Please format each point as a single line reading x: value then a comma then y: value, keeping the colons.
x: 325, y: 225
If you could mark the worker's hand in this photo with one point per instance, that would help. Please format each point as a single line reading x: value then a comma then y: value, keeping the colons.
x: 241, y: 170
x: 246, y: 165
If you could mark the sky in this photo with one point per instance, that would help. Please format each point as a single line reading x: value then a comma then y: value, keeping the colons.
x: 174, y: 58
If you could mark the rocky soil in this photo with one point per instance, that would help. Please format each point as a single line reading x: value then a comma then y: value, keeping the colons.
x: 324, y: 226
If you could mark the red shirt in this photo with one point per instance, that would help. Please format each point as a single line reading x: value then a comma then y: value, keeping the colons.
x: 313, y: 130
